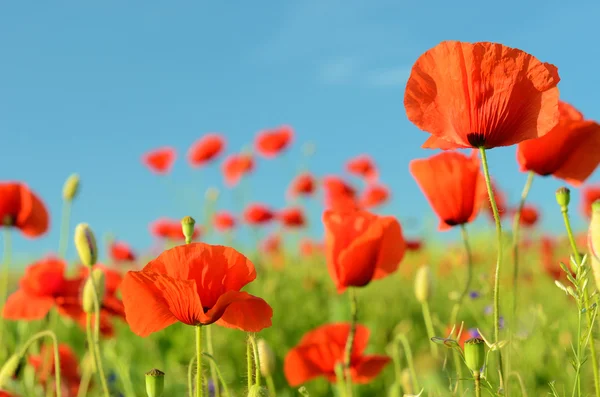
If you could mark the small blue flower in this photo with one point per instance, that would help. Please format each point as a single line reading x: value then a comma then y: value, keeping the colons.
x: 211, y: 388
x: 501, y: 322
x: 474, y: 294
x: 488, y: 310
x: 474, y: 333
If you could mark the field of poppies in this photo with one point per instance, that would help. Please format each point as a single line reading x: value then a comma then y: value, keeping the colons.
x: 365, y: 311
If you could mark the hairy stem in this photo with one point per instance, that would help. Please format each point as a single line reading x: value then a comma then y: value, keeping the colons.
x: 350, y: 340
x: 199, y: 386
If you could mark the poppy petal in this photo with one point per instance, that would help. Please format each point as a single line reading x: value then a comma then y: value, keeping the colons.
x: 368, y: 368
x: 392, y: 248
x: 23, y: 306
x: 303, y: 363
x: 242, y: 311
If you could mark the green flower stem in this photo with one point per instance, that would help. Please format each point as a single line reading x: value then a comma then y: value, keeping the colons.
x: 350, y: 340
x: 515, y: 242
x: 249, y: 363
x: 191, y: 377
x: 409, y: 360
x: 219, y: 374
x: 429, y: 327
x: 459, y: 373
x: 96, y: 345
x: 271, y: 386
x: 257, y: 377
x: 463, y: 295
x: 64, y: 229
x: 86, y: 376
x: 477, y: 380
x: 586, y: 299
x: 4, y: 277
x: 488, y: 182
x: 213, y: 366
x: 340, y: 382
x: 199, y: 387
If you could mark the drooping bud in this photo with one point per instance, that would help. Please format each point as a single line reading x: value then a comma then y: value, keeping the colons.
x: 155, y: 383
x: 9, y: 368
x: 423, y: 284
x: 71, y: 187
x: 85, y: 242
x: 187, y: 226
x: 475, y: 354
x: 594, y: 241
x: 96, y: 277
x: 266, y: 358
x: 563, y: 197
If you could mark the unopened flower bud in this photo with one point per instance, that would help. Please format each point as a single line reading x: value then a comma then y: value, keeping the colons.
x: 96, y: 277
x: 594, y: 241
x: 187, y: 226
x: 266, y: 358
x: 475, y: 354
x: 85, y: 242
x: 9, y: 368
x: 155, y: 383
x: 71, y: 187
x: 423, y: 284
x: 563, y: 197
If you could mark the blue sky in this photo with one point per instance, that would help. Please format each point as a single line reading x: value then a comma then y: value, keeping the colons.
x: 88, y: 87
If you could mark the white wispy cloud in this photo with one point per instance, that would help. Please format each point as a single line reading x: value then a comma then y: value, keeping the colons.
x: 338, y: 71
x: 391, y: 77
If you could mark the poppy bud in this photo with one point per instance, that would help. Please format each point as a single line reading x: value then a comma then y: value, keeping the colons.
x: 187, y: 226
x: 71, y: 187
x: 155, y: 383
x: 97, y: 277
x: 266, y: 358
x: 423, y: 284
x: 256, y: 391
x: 85, y: 242
x: 212, y: 194
x: 9, y: 368
x: 563, y: 197
x: 475, y: 354
x: 594, y: 241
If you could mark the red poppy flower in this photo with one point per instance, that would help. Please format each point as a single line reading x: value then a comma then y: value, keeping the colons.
x: 23, y: 209
x: 42, y: 287
x: 270, y: 143
x: 413, y: 245
x: 224, y: 221
x: 320, y: 350
x: 481, y: 95
x: 258, y: 214
x: 69, y: 368
x: 309, y: 247
x: 235, y: 167
x: 338, y: 193
x: 292, y: 217
x: 160, y: 161
x: 303, y: 185
x: 363, y: 166
x: 196, y: 284
x: 550, y: 262
x: 569, y: 151
x: 120, y: 251
x: 465, y: 335
x: 4, y: 393
x: 589, y: 194
x: 361, y: 246
x: 374, y: 196
x: 529, y: 216
x: 453, y: 185
x: 170, y: 229
x: 271, y: 244
x: 500, y: 198
x: 205, y: 149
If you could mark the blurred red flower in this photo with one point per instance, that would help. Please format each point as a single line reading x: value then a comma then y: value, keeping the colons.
x: 374, y: 196
x: 361, y: 246
x: 529, y: 216
x: 120, y: 252
x: 320, y: 350
x: 364, y: 167
x: 303, y: 185
x: 206, y: 149
x: 258, y: 214
x: 550, y: 261
x: 224, y: 221
x: 589, y: 194
x: 414, y: 245
x: 292, y: 217
x: 196, y: 284
x: 270, y: 143
x: 23, y: 209
x: 69, y: 369
x: 338, y: 193
x: 309, y: 247
x: 236, y: 166
x: 570, y: 151
x: 471, y: 95
x: 160, y: 161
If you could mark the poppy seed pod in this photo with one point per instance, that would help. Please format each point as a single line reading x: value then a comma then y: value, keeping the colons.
x: 267, y: 358
x: 187, y: 227
x: 71, y: 187
x: 563, y: 197
x: 97, y: 277
x: 594, y: 241
x: 85, y: 242
x: 475, y: 354
x: 155, y: 383
x: 9, y: 368
x: 423, y: 284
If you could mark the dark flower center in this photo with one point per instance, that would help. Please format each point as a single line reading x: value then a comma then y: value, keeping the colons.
x: 476, y: 139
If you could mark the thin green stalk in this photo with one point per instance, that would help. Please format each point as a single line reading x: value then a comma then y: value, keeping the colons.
x: 96, y: 345
x: 86, y: 376
x: 429, y: 327
x: 199, y: 388
x: 409, y: 360
x: 477, y: 380
x: 397, y: 364
x: 521, y: 383
x: 340, y: 381
x: 210, y: 349
x: 191, y: 377
x: 577, y: 384
x: 219, y: 374
x: 257, y: 377
x: 586, y: 300
x: 459, y: 373
x: 515, y: 242
x: 488, y: 182
x: 463, y: 295
x: 249, y: 363
x: 271, y: 386
x: 4, y: 277
x: 350, y: 340
x: 64, y: 229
